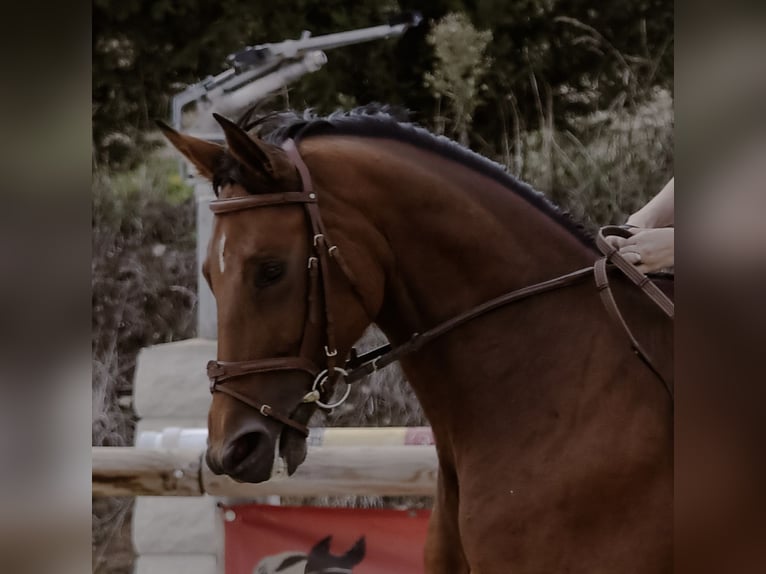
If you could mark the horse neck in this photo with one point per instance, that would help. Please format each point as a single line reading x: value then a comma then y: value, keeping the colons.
x: 454, y: 237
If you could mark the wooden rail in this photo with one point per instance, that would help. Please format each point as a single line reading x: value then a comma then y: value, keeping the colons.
x: 196, y: 437
x: 327, y: 471
x: 129, y: 471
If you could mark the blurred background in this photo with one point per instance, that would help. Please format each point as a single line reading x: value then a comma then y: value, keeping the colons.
x: 575, y: 97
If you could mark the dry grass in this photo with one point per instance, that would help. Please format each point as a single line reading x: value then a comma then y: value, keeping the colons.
x: 621, y: 158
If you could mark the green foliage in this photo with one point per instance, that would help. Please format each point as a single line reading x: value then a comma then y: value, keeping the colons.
x: 157, y: 178
x: 459, y: 67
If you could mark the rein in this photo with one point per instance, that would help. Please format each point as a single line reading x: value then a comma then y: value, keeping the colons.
x: 359, y: 366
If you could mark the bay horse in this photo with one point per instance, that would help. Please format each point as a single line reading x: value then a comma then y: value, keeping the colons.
x: 554, y: 440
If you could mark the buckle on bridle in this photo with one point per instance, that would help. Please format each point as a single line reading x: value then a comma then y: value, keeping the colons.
x: 214, y: 370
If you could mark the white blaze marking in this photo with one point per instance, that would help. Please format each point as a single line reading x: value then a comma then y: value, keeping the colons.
x: 221, y: 245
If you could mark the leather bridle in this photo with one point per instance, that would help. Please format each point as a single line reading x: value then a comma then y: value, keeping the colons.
x: 323, y: 251
x: 319, y: 286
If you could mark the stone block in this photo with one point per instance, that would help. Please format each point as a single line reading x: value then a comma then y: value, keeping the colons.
x: 176, y: 525
x: 176, y: 564
x: 171, y: 382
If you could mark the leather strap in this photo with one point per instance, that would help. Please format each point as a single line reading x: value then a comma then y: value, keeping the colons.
x: 292, y: 152
x: 360, y: 366
x: 601, y: 276
x: 265, y: 409
x: 219, y: 206
x: 418, y: 340
x: 321, y: 248
x: 220, y: 371
x: 644, y: 283
x: 308, y: 185
x: 317, y: 299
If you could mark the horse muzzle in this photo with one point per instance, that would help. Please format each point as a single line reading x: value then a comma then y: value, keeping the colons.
x: 248, y: 457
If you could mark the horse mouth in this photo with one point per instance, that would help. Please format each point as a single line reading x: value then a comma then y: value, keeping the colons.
x: 253, y: 469
x: 290, y: 454
x: 248, y: 458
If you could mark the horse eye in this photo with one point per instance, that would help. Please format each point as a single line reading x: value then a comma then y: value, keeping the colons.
x: 269, y: 273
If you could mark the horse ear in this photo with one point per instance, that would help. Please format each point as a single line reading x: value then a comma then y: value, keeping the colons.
x: 357, y: 552
x: 203, y: 154
x: 252, y: 153
x: 321, y: 548
x: 290, y: 561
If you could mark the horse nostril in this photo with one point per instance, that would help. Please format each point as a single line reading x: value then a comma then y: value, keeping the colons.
x: 239, y: 450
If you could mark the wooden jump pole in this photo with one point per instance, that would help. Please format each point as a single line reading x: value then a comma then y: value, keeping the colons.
x: 327, y: 471
x: 129, y: 471
x: 196, y: 437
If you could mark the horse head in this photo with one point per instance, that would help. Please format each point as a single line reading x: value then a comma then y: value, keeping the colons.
x: 286, y: 314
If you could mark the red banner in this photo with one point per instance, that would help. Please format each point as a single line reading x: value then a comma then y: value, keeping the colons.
x: 263, y: 539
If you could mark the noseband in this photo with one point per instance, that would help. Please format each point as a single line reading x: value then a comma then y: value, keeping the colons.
x: 359, y: 366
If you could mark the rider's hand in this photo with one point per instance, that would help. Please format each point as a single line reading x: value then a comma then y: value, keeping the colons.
x: 648, y: 249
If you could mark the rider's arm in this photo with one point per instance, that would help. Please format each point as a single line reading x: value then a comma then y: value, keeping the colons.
x: 658, y: 212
